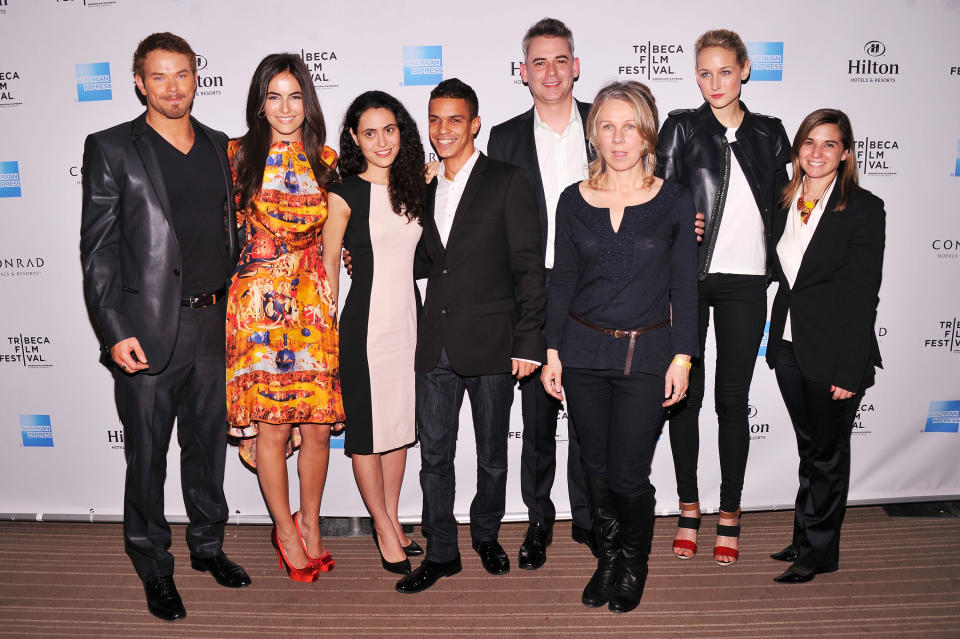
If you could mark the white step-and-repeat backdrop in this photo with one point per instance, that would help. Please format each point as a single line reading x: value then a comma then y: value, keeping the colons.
x: 893, y: 66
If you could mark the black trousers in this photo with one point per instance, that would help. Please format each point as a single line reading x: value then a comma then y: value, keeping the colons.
x: 823, y: 426
x: 538, y: 458
x: 439, y: 397
x: 739, y: 305
x: 191, y: 389
x: 619, y: 418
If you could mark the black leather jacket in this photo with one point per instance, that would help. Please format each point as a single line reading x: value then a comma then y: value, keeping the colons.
x: 693, y: 150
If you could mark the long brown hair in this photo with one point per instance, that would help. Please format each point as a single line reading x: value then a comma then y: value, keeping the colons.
x: 254, y: 146
x: 847, y: 171
x: 639, y: 97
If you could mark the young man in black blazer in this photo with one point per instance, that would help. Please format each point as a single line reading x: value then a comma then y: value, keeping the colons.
x: 480, y: 328
x: 549, y: 141
x: 157, y: 245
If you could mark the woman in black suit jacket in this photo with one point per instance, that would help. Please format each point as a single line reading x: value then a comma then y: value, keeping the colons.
x: 823, y: 347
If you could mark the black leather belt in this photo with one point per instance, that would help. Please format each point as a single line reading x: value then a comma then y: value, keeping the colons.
x: 632, y: 333
x: 203, y: 299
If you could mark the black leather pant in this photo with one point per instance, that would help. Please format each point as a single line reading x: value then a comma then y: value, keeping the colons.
x: 191, y: 389
x: 739, y: 305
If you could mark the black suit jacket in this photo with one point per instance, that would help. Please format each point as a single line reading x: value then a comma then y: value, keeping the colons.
x: 128, y: 248
x: 512, y: 141
x: 833, y: 302
x: 486, y: 292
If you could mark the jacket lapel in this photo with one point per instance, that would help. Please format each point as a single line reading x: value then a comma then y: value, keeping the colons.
x: 229, y: 214
x: 151, y: 165
x: 819, y: 240
x: 431, y: 233
x: 469, y: 194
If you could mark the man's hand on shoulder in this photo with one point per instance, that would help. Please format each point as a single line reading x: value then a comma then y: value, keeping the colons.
x: 129, y: 356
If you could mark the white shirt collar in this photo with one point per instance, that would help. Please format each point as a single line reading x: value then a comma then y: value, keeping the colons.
x: 539, y: 123
x: 464, y: 173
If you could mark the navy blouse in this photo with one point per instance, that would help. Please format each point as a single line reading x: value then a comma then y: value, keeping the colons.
x: 624, y: 280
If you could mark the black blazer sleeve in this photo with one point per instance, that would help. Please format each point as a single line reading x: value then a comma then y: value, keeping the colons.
x: 860, y: 288
x: 526, y: 264
x: 100, y: 245
x: 781, y: 149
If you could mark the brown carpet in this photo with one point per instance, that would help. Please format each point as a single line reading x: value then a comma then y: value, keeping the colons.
x: 898, y: 578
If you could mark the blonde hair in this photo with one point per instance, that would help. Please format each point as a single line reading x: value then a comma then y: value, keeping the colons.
x: 639, y: 97
x: 725, y: 39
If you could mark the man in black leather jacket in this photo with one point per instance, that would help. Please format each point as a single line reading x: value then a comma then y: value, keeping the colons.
x: 157, y: 245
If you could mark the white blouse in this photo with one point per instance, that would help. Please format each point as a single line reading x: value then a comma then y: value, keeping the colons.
x: 795, y: 239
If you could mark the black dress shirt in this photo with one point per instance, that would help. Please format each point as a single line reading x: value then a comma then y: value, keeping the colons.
x: 624, y: 280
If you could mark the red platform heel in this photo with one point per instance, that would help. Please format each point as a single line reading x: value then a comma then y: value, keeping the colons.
x: 323, y: 563
x: 306, y: 574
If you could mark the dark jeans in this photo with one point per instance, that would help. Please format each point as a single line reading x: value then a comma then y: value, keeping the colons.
x: 823, y: 426
x: 439, y: 396
x: 618, y: 419
x: 191, y: 389
x: 739, y: 311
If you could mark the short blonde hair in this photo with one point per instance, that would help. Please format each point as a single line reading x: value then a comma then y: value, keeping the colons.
x: 725, y: 39
x: 639, y: 97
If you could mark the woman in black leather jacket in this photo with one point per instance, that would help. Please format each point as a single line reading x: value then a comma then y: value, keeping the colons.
x: 734, y: 163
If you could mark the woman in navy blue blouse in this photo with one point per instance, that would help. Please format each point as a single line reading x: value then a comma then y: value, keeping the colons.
x: 622, y: 319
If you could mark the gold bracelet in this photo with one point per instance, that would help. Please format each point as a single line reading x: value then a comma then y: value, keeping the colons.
x: 681, y: 362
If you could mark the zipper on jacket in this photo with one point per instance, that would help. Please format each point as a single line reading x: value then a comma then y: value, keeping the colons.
x: 718, y: 203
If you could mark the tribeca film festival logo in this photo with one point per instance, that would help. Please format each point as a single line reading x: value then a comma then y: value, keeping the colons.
x: 875, y: 157
x: 863, y: 419
x: 319, y: 65
x: 950, y: 339
x: 88, y: 3
x: 36, y: 431
x: 8, y: 97
x: 943, y: 417
x: 766, y: 61
x: 207, y: 84
x: 21, y: 266
x: 93, y: 82
x: 758, y: 430
x: 655, y: 62
x: 30, y: 351
x: 873, y: 68
x: 10, y: 179
x: 422, y: 66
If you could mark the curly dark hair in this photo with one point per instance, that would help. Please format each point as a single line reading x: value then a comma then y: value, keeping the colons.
x: 406, y: 173
x: 254, y: 146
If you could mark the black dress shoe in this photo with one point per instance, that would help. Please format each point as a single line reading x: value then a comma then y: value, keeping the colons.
x: 412, y: 549
x: 493, y: 557
x: 794, y: 575
x: 223, y: 570
x: 427, y: 574
x: 163, y: 600
x: 787, y: 554
x: 533, y: 551
x: 585, y: 536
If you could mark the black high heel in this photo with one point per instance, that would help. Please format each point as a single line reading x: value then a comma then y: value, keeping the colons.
x: 396, y: 567
x: 412, y: 549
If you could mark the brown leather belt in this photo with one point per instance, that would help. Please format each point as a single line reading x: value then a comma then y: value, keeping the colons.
x: 621, y: 332
x: 203, y: 299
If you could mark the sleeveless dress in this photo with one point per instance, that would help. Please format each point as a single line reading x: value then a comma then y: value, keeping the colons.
x: 282, y: 343
x: 378, y: 329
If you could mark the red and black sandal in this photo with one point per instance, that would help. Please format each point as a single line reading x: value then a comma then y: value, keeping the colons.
x: 691, y: 523
x: 727, y: 531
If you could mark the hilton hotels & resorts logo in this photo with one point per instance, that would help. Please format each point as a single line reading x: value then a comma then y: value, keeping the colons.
x: 873, y: 68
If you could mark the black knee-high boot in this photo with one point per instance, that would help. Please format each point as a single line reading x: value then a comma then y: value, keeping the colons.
x: 636, y: 517
x: 604, y: 515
